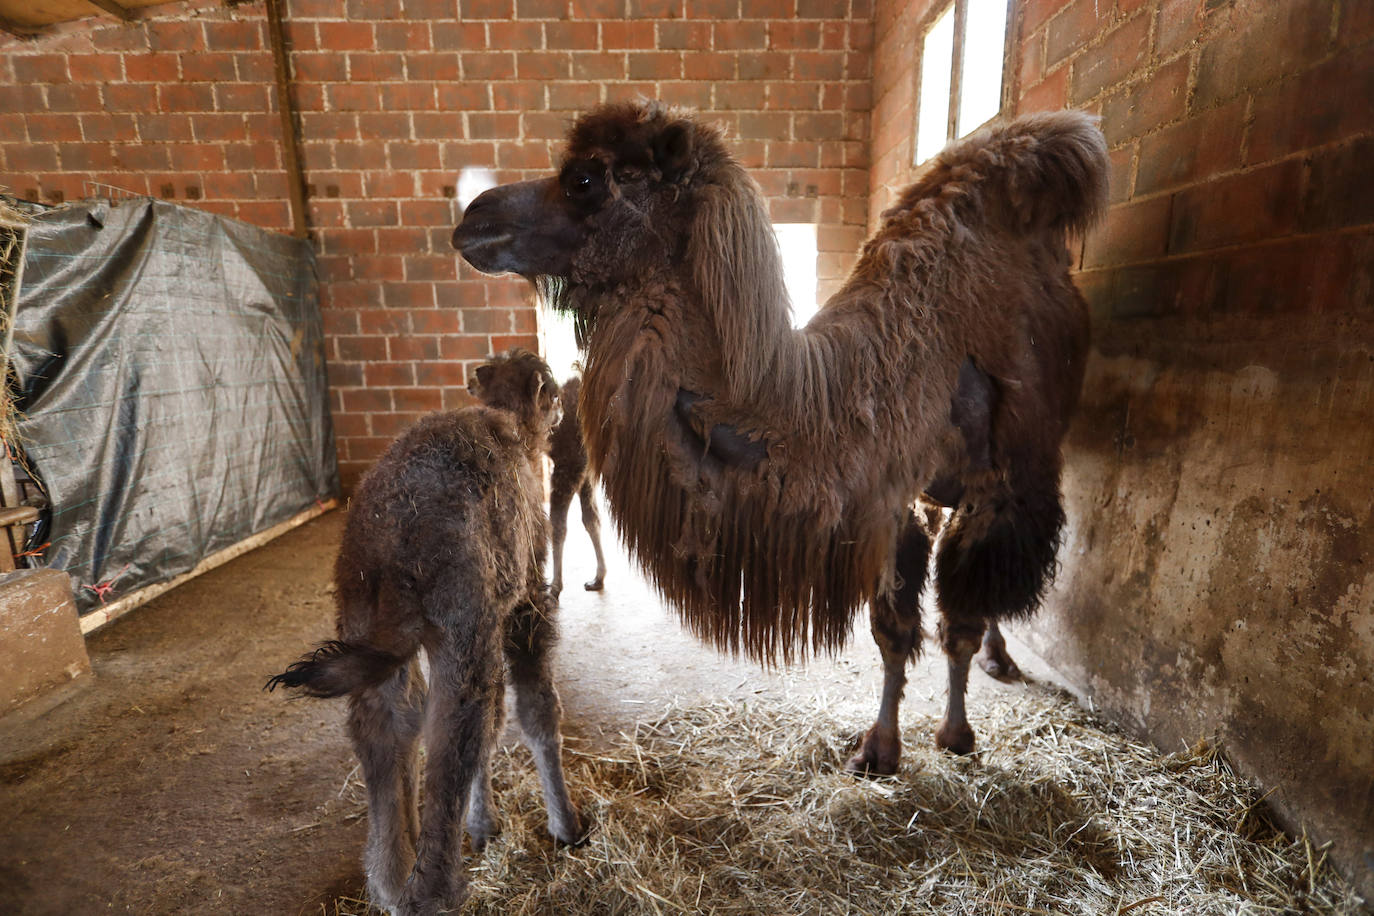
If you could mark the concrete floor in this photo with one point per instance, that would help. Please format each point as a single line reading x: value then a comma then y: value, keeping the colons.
x: 171, y: 783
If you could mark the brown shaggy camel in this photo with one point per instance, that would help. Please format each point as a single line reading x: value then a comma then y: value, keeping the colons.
x: 765, y: 477
x: 444, y: 549
x: 571, y: 475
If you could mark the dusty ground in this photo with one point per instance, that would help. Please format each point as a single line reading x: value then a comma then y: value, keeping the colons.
x: 171, y: 783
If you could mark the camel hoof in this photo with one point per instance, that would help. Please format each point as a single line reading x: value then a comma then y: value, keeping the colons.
x: 877, y: 755
x: 593, y: 586
x: 957, y: 739
x: 577, y: 836
x: 412, y: 904
x: 1000, y: 667
x: 479, y: 835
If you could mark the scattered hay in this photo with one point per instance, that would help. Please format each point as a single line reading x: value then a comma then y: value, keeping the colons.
x: 13, y: 232
x: 742, y: 809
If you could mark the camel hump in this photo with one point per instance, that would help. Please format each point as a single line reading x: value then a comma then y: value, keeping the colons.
x: 1050, y: 167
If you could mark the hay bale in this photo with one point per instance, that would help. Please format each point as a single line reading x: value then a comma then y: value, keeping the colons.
x: 743, y: 809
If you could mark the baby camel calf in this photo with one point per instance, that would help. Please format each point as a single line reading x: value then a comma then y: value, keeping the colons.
x: 444, y: 549
x: 571, y: 475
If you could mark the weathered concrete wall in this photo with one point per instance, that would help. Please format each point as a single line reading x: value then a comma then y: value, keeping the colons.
x: 1218, y: 574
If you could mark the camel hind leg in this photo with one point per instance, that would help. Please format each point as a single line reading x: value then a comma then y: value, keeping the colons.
x: 895, y: 618
x: 530, y: 636
x: 994, y: 658
x: 591, y: 520
x: 994, y: 563
x: 480, y: 819
x: 465, y: 680
x: 384, y: 725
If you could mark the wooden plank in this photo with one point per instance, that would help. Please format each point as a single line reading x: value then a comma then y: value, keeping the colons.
x: 295, y: 178
x: 107, y: 612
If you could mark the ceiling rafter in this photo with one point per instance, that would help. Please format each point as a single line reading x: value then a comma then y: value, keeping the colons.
x: 113, y: 8
x: 24, y: 33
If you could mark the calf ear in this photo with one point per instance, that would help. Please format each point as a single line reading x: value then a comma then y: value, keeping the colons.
x: 480, y: 379
x: 541, y: 391
x: 673, y: 150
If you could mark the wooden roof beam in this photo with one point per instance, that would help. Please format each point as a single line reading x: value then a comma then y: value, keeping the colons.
x: 26, y: 33
x: 113, y: 8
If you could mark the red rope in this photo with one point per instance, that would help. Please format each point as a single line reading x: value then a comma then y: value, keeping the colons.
x: 104, y: 588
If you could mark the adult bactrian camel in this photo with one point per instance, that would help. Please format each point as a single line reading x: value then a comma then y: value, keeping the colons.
x: 765, y: 476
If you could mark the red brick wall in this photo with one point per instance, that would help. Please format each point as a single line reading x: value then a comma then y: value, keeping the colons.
x: 394, y: 99
x: 1235, y: 129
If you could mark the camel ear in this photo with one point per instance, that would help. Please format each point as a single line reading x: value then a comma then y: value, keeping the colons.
x: 672, y: 150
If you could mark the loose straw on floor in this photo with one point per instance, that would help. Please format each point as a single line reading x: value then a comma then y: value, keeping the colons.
x: 742, y: 809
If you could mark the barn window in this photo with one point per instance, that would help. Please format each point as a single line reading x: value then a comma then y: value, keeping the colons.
x: 963, y: 55
x: 797, y: 241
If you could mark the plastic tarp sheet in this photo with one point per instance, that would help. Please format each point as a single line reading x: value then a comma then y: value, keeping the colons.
x: 170, y: 372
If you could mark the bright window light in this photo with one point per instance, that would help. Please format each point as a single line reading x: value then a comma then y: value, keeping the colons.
x: 980, y: 89
x: 472, y: 181
x: 797, y: 242
x: 937, y: 57
x: 969, y: 42
x: 560, y: 342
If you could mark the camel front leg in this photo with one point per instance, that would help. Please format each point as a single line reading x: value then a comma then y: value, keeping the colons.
x: 960, y: 639
x: 895, y: 618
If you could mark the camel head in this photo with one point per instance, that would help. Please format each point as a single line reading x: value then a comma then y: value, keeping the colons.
x: 622, y: 201
x: 520, y: 381
x: 647, y: 203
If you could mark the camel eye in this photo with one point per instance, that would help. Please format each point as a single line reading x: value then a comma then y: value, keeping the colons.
x: 579, y: 185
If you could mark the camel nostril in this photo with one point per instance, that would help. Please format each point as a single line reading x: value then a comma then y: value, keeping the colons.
x: 476, y: 204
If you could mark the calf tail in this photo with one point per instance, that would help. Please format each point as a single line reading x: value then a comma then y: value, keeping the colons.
x: 337, y: 668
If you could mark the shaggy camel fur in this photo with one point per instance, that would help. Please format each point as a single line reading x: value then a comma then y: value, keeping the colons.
x: 444, y: 549
x: 765, y: 476
x: 571, y: 475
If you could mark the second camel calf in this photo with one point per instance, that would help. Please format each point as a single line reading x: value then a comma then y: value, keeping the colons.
x: 444, y: 549
x: 572, y: 475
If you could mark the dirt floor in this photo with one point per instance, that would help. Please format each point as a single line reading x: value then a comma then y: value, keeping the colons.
x: 170, y: 782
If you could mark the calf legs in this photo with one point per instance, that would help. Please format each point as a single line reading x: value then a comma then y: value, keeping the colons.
x: 591, y: 520
x: 560, y: 500
x: 465, y: 681
x: 384, y: 723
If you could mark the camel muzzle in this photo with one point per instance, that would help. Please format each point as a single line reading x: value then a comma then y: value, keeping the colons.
x: 506, y: 229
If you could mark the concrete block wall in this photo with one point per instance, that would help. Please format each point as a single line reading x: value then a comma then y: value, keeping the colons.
x: 1218, y: 571
x: 395, y: 98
